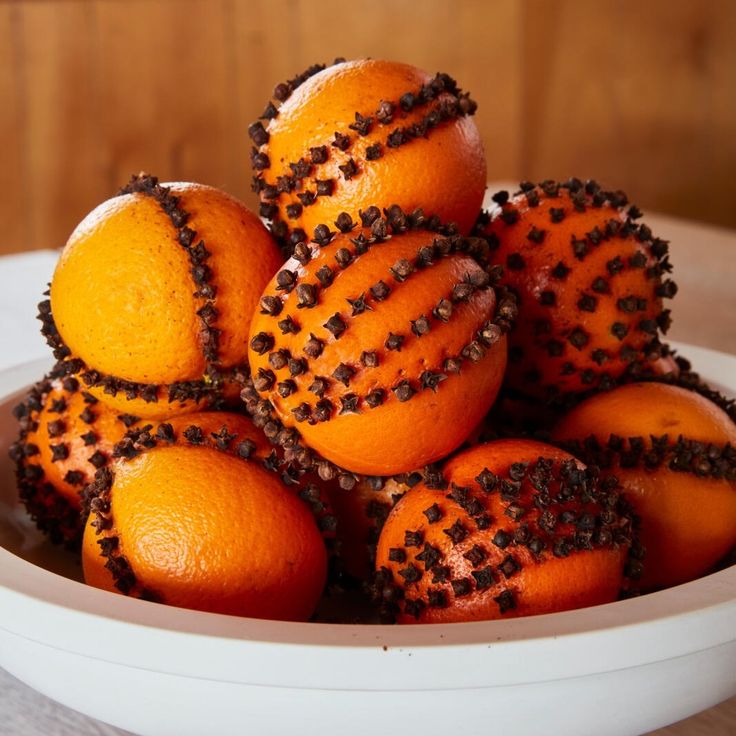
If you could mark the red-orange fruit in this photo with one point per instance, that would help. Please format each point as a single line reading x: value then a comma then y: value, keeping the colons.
x: 380, y: 351
x: 590, y: 283
x: 360, y: 514
x: 65, y: 436
x: 522, y: 528
x: 366, y: 132
x: 152, y: 296
x: 673, y: 451
x: 190, y: 517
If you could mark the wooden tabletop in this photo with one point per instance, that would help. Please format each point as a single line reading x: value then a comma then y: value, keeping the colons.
x: 703, y: 314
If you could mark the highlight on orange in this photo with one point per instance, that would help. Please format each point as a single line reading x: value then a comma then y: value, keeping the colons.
x: 590, y: 281
x: 383, y: 345
x: 673, y: 451
x: 191, y: 517
x: 65, y: 436
x: 519, y: 528
x: 340, y: 138
x: 152, y: 296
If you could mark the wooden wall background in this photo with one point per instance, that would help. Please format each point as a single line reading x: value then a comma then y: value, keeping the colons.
x: 640, y: 94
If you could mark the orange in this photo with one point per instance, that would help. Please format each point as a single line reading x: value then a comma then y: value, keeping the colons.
x: 521, y: 529
x: 383, y: 353
x: 190, y: 517
x: 367, y: 132
x: 361, y: 512
x: 153, y: 293
x: 590, y: 283
x: 65, y: 435
x: 678, y: 471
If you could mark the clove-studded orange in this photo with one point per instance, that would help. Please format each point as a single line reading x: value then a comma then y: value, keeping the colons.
x: 191, y: 516
x: 673, y: 451
x: 152, y: 296
x: 381, y: 346
x: 365, y: 132
x: 517, y: 528
x: 590, y: 283
x: 360, y: 514
x: 65, y: 436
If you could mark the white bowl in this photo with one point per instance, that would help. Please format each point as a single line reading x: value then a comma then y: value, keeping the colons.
x: 622, y: 668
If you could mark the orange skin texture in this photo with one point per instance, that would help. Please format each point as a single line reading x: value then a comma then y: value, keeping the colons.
x: 357, y: 522
x: 122, y: 293
x: 444, y: 173
x: 206, y: 530
x: 536, y: 277
x: 106, y: 426
x: 585, y: 578
x: 687, y: 523
x: 396, y: 436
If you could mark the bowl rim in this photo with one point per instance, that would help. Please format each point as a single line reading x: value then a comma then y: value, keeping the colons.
x: 54, y: 611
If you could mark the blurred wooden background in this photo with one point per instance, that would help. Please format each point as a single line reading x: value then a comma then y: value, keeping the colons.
x: 641, y: 95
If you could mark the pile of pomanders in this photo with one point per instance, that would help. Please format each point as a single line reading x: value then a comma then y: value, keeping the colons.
x: 466, y: 414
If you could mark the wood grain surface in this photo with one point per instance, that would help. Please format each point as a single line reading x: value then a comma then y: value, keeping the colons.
x: 638, y: 95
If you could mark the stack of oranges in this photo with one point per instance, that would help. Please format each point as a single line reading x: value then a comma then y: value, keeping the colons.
x: 223, y: 425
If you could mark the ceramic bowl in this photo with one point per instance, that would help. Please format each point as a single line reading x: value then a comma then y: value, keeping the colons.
x: 622, y: 668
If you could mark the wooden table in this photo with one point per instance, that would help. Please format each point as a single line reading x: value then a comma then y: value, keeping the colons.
x: 705, y: 270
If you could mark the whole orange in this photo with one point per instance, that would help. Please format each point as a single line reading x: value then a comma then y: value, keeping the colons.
x: 590, y: 282
x: 152, y: 296
x: 382, y: 350
x: 673, y: 451
x: 190, y: 517
x: 367, y: 132
x: 522, y: 528
x: 65, y: 436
